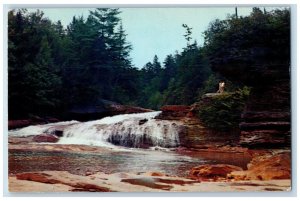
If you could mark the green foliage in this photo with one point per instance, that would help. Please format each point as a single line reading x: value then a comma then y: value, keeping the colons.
x: 223, y: 112
x: 192, y: 69
x: 254, y: 49
x: 179, y: 81
x: 52, y: 69
x: 98, y: 61
x: 34, y: 79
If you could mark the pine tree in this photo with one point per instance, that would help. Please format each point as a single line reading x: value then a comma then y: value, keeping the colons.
x: 34, y: 80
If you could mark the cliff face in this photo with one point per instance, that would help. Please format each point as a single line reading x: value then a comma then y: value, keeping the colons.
x: 194, y: 134
x: 199, y: 136
x: 266, y: 119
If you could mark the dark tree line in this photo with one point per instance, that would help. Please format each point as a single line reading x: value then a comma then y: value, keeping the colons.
x: 52, y: 69
x: 252, y: 50
x: 249, y: 51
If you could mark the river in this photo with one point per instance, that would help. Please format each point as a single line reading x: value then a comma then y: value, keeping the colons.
x: 129, y: 143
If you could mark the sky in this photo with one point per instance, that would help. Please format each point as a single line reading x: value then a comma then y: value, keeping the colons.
x: 155, y: 31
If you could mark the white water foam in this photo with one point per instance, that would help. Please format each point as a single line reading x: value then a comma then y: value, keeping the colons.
x: 38, y: 129
x: 130, y: 130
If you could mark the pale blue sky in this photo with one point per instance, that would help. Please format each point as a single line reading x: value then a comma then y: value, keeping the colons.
x: 155, y: 30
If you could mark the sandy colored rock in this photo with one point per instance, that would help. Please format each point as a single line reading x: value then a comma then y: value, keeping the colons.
x: 132, y: 182
x: 212, y: 171
x: 16, y: 185
x: 65, y: 178
x: 266, y: 167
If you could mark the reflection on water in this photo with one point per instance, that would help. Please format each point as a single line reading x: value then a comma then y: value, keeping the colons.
x: 123, y: 161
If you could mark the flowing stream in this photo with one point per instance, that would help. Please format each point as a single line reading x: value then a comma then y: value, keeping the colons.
x: 129, y: 130
x: 128, y: 137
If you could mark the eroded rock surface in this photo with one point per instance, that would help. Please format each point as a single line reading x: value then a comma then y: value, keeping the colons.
x: 204, y: 172
x: 62, y: 181
x: 266, y: 167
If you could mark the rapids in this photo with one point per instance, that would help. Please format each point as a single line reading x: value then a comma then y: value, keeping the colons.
x: 140, y: 130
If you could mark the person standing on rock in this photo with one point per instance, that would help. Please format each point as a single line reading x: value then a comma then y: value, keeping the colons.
x: 221, y: 87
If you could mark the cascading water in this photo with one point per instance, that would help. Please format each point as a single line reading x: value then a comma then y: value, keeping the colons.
x: 39, y: 129
x: 131, y: 130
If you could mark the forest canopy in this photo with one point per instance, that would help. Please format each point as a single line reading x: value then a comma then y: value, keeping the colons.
x: 52, y: 68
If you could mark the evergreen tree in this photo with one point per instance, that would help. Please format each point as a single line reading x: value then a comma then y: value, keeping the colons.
x: 34, y: 79
x: 243, y: 48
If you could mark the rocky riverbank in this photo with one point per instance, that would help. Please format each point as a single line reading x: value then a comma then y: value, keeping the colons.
x: 202, y: 161
x: 62, y: 181
x: 267, y: 170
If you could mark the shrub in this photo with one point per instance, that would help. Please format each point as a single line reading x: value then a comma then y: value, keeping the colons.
x: 223, y: 111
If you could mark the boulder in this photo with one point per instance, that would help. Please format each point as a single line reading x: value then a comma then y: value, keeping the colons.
x: 208, y: 171
x: 45, y: 138
x: 57, y: 130
x: 142, y: 121
x: 266, y: 167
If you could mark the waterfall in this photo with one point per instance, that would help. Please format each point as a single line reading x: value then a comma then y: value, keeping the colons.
x: 39, y: 129
x: 140, y: 130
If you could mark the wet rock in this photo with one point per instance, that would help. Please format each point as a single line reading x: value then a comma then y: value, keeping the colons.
x: 56, y: 130
x: 266, y: 167
x: 45, y: 138
x: 174, y: 112
x: 59, y: 133
x: 141, y: 122
x: 212, y: 171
